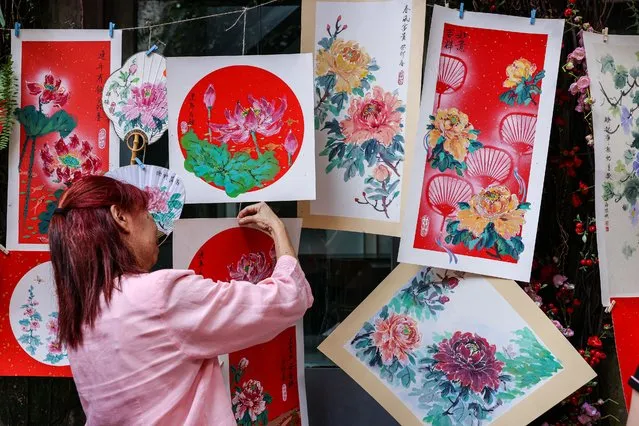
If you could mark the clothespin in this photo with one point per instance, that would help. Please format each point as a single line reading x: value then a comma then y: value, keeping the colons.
x: 446, y: 3
x: 533, y: 16
x: 605, y: 34
x: 461, y: 10
x: 111, y: 28
x: 612, y: 304
x: 152, y: 49
x: 4, y: 250
x: 16, y: 29
x: 140, y: 163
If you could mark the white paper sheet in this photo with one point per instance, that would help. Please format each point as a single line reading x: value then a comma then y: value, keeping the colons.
x: 231, y: 81
x: 613, y: 68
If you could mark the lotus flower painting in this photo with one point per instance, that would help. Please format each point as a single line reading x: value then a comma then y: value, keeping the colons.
x: 364, y: 81
x: 266, y: 381
x: 64, y: 133
x: 428, y: 347
x: 484, y: 122
x: 242, y: 131
x: 29, y: 314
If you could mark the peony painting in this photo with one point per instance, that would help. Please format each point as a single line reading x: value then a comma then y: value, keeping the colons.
x: 363, y: 80
x: 482, y: 143
x: 614, y: 67
x: 64, y: 133
x: 265, y: 381
x: 240, y: 129
x: 425, y: 345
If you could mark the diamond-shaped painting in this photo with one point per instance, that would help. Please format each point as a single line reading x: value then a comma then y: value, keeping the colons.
x: 443, y: 348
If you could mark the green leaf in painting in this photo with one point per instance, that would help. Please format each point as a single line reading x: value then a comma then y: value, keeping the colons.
x: 631, y: 190
x: 607, y: 64
x: 608, y: 191
x: 60, y: 122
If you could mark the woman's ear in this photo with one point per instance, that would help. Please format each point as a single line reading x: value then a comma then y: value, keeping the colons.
x: 121, y: 218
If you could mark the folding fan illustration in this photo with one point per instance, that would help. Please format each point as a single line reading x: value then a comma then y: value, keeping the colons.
x: 450, y: 77
x: 489, y: 166
x: 164, y: 187
x: 134, y: 99
x: 518, y: 131
x: 444, y: 193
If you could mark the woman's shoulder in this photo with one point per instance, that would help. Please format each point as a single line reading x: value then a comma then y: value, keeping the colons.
x: 153, y: 285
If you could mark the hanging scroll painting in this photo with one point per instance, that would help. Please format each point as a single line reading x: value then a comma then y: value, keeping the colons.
x: 270, y: 376
x: 62, y: 132
x: 482, y: 140
x: 366, y: 104
x: 425, y: 345
x: 241, y: 128
x: 613, y: 68
x: 29, y: 317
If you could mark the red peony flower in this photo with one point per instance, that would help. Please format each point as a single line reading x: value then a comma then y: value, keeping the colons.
x: 595, y: 342
x: 69, y: 161
x: 395, y: 337
x: 469, y: 359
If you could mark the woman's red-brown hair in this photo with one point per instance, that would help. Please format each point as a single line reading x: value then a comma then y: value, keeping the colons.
x: 88, y: 253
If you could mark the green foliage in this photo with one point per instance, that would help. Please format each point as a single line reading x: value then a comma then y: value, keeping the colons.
x: 236, y: 173
x: 44, y: 218
x: 488, y: 239
x: 533, y: 364
x: 522, y: 93
x: 607, y: 64
x: 36, y: 124
x: 8, y: 100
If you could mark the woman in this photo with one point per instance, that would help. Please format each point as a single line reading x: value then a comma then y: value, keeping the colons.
x: 143, y: 346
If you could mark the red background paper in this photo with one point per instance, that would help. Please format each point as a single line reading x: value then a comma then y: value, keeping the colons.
x: 272, y: 362
x: 487, y: 54
x: 76, y: 63
x: 624, y: 318
x: 232, y: 85
x: 15, y: 361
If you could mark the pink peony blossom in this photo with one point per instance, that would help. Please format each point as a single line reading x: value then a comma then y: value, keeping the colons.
x: 374, y: 116
x: 261, y: 117
x: 250, y: 399
x: 469, y: 359
x: 395, y: 337
x: 70, y: 160
x: 28, y: 312
x: 35, y: 324
x: 52, y: 326
x: 158, y: 199
x: 54, y: 347
x: 577, y: 55
x: 133, y: 68
x: 252, y: 267
x: 583, y: 83
x: 559, y: 280
x: 148, y: 103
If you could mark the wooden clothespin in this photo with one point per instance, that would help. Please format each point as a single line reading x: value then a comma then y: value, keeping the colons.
x: 612, y: 304
x: 605, y: 34
x: 4, y: 250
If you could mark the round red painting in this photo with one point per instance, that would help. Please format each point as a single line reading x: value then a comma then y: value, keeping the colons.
x: 240, y: 128
x: 240, y: 253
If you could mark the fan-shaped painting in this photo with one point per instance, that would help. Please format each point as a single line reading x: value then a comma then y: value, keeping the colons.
x: 241, y: 128
x: 366, y: 103
x: 265, y: 382
x: 482, y: 143
x: 29, y: 317
x: 425, y: 345
x: 63, y: 132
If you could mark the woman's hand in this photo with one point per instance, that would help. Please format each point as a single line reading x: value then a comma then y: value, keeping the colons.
x: 261, y: 216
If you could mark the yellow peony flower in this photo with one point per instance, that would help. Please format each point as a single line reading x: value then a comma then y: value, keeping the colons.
x: 347, y: 60
x: 519, y: 70
x: 494, y: 205
x: 453, y: 125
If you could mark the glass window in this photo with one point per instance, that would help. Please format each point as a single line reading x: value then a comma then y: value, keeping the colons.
x: 342, y: 267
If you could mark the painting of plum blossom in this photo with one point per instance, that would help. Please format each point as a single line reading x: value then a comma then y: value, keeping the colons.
x: 29, y: 316
x: 613, y: 69
x: 266, y: 381
x: 63, y: 132
x: 240, y: 128
x: 429, y: 340
x: 482, y: 143
x: 365, y: 81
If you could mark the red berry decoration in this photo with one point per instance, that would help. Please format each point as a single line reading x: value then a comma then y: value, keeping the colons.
x: 572, y: 1
x: 592, y: 228
x: 589, y: 262
x: 595, y: 342
x: 568, y: 12
x: 583, y: 262
x: 569, y: 310
x: 493, y: 8
x: 581, y: 352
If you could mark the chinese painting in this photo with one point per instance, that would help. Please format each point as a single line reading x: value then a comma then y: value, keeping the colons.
x: 366, y: 100
x: 613, y: 67
x: 240, y: 128
x: 624, y: 321
x: 482, y: 142
x: 426, y: 347
x: 63, y: 132
x: 266, y: 381
x: 29, y: 317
